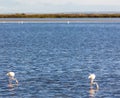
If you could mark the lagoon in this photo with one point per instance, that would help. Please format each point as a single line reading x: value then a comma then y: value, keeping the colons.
x: 53, y: 59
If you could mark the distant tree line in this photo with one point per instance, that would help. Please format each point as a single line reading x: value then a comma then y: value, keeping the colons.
x: 23, y: 15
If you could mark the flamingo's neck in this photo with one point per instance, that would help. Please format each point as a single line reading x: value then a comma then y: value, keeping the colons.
x: 97, y: 86
x: 12, y: 78
x: 91, y: 81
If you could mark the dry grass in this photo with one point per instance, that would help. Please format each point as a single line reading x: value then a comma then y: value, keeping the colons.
x: 23, y: 15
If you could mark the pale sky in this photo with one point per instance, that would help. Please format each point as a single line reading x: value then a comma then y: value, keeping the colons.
x: 58, y: 6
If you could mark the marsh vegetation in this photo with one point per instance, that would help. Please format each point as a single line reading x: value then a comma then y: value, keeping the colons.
x: 62, y: 15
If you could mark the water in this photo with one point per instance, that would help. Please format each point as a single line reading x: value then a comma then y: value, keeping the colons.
x: 53, y: 60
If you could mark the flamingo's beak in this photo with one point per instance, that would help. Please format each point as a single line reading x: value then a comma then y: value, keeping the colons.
x: 89, y: 77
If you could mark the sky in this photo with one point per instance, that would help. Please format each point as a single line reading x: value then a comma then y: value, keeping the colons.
x: 59, y: 6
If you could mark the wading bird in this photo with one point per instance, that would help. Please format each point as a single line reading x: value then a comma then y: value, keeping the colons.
x: 92, y: 78
x: 12, y: 78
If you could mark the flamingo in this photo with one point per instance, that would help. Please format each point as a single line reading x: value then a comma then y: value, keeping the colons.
x: 11, y: 76
x: 92, y: 78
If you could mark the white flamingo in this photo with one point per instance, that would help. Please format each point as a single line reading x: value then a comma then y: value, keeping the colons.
x: 11, y: 76
x: 92, y: 78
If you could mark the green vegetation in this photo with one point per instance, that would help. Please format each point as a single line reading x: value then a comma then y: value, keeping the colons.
x: 23, y: 15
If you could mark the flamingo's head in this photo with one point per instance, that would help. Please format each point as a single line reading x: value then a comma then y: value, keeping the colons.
x: 91, y: 77
x: 11, y: 74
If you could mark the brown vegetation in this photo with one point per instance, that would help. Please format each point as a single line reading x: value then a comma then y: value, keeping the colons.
x: 23, y: 15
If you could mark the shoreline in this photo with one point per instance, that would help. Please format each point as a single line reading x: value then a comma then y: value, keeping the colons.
x: 60, y: 20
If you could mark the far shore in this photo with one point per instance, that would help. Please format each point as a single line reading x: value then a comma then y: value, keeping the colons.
x: 59, y: 18
x: 62, y: 15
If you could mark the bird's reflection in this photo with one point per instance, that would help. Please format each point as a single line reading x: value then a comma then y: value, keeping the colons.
x: 12, y: 91
x: 92, y: 92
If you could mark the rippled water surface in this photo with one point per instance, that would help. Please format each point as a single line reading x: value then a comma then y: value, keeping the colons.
x: 53, y: 60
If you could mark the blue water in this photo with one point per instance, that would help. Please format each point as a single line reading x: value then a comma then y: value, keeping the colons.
x: 53, y: 60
